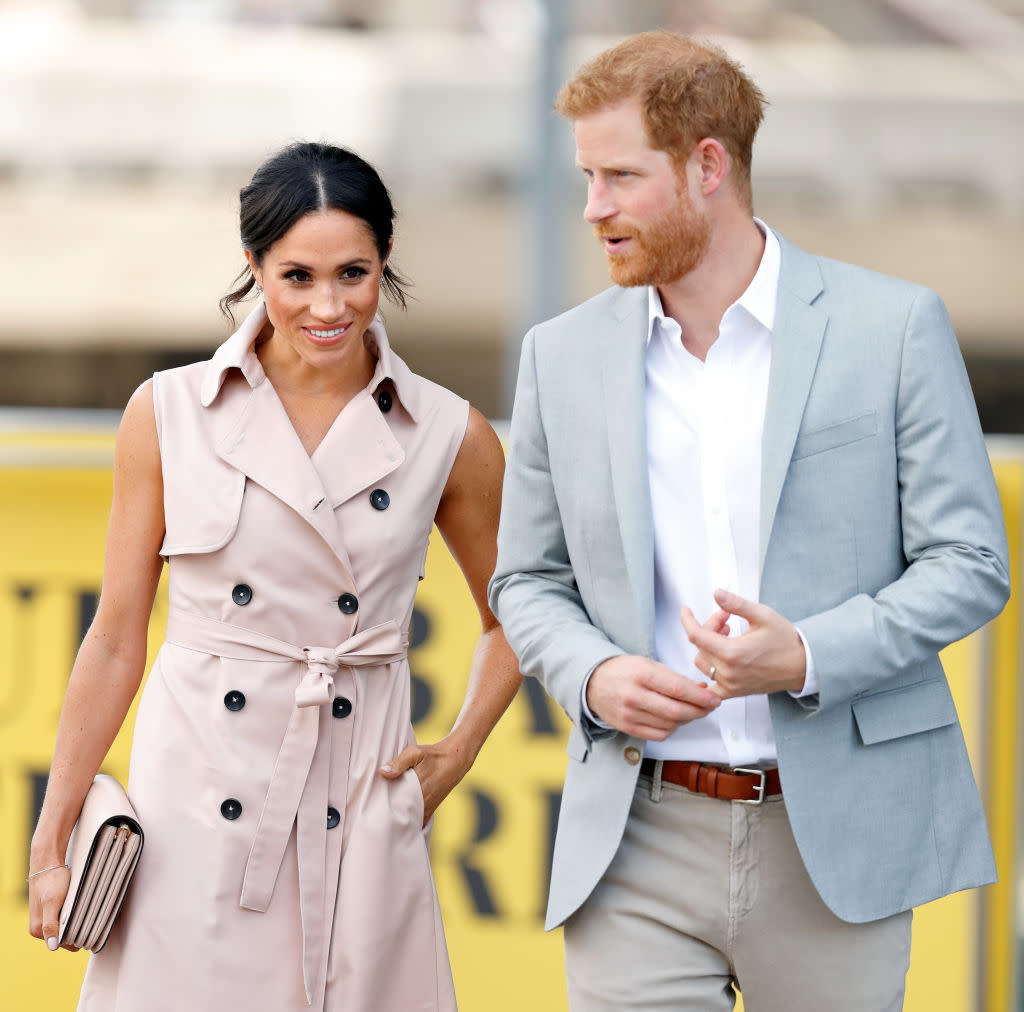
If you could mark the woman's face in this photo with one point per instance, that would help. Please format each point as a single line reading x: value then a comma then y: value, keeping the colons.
x: 321, y: 285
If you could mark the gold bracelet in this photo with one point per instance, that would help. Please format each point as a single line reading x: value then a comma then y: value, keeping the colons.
x: 43, y: 871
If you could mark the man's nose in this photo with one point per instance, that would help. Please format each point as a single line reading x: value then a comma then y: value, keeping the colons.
x: 599, y: 205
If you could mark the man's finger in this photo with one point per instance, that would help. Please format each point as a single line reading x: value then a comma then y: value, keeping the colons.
x: 700, y: 636
x: 666, y: 682
x: 736, y: 605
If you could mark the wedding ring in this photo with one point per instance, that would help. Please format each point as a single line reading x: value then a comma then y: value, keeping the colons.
x: 712, y: 672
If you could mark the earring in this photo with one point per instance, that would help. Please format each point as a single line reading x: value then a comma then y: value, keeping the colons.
x: 259, y: 289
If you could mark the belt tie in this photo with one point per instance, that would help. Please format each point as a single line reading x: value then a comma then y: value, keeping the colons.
x: 297, y: 794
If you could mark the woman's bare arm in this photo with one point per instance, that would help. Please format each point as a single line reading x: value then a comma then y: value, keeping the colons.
x: 467, y: 518
x: 112, y: 658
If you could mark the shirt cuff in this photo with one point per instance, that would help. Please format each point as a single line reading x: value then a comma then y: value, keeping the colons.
x: 596, y: 721
x: 811, y: 674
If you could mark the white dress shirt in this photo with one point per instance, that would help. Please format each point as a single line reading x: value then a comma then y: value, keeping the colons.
x: 704, y: 426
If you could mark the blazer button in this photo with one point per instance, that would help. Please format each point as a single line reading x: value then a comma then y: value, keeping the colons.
x: 241, y: 594
x: 333, y: 817
x: 341, y: 706
x: 348, y: 604
x: 231, y: 809
x: 234, y: 700
x: 632, y: 755
x: 379, y: 499
x: 384, y: 401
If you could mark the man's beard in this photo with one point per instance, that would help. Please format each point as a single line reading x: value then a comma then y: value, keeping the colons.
x: 662, y: 253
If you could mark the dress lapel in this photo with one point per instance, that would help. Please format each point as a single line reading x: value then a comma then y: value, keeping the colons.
x: 255, y: 436
x: 253, y: 433
x: 359, y: 450
x: 796, y: 343
x: 622, y: 352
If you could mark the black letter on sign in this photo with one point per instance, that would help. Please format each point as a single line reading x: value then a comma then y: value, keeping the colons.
x: 87, y: 601
x: 422, y: 701
x: 36, y: 801
x: 422, y: 698
x: 476, y: 882
x: 536, y: 698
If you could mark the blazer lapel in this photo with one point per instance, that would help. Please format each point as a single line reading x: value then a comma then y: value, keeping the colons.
x: 623, y: 357
x: 796, y: 343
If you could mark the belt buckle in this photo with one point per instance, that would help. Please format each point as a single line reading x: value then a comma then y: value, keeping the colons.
x: 760, y: 787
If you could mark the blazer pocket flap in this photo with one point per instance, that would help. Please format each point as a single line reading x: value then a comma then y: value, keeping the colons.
x: 837, y: 434
x: 577, y: 748
x: 897, y: 713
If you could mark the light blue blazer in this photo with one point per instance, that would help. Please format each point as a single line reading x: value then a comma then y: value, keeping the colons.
x: 881, y: 534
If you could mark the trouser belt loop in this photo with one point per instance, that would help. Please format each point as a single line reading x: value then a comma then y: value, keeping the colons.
x: 656, y: 781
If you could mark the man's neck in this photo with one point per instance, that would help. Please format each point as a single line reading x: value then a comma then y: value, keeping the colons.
x: 698, y: 301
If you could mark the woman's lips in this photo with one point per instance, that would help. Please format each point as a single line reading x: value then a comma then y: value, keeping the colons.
x: 326, y: 335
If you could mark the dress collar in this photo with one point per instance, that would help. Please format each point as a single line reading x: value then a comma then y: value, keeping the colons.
x: 239, y: 352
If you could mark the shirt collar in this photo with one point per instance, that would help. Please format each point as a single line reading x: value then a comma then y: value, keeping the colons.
x: 239, y: 352
x: 758, y: 299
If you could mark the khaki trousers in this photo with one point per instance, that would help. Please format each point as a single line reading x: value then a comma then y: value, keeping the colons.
x: 704, y: 895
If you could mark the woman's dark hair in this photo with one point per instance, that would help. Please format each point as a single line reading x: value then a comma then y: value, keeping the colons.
x: 306, y: 177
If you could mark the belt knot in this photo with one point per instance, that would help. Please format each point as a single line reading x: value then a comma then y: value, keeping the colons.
x: 317, y: 685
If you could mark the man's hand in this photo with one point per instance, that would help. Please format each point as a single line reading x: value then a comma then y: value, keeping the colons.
x: 647, y: 699
x: 768, y: 657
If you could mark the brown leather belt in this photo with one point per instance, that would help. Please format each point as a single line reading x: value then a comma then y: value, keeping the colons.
x: 749, y: 785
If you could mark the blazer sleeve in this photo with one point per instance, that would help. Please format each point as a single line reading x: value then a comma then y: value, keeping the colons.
x: 534, y: 591
x: 954, y: 538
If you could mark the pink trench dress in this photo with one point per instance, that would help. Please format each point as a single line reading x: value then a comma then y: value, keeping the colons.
x: 281, y: 871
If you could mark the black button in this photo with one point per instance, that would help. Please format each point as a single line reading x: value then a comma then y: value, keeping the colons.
x: 379, y: 499
x: 231, y: 809
x: 234, y: 700
x: 348, y: 604
x: 384, y: 401
x: 333, y: 817
x: 242, y: 594
x: 341, y: 707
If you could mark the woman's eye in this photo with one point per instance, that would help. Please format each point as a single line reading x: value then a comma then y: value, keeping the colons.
x: 296, y: 275
x: 353, y: 273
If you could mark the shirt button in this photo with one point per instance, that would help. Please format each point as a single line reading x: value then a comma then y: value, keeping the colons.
x: 384, y: 401
x: 348, y: 604
x: 241, y: 594
x: 231, y: 809
x: 379, y: 499
x: 234, y: 700
x: 632, y: 755
x: 333, y: 817
x: 341, y: 707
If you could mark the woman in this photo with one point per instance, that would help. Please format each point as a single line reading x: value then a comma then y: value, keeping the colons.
x: 291, y: 482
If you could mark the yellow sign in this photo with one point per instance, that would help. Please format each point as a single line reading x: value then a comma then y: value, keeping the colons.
x: 492, y: 839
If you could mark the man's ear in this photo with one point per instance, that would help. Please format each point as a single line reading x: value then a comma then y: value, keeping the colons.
x: 712, y: 161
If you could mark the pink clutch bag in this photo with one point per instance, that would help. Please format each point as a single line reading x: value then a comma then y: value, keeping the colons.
x: 102, y: 854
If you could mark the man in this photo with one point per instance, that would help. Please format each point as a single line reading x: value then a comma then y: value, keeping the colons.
x: 747, y: 503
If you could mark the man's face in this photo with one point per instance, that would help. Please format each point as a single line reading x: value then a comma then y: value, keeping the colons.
x: 637, y: 200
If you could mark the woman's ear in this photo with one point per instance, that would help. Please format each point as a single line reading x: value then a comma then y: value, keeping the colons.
x: 253, y: 266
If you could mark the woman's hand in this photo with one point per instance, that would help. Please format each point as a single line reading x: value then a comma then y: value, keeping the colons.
x: 46, y: 895
x: 439, y: 768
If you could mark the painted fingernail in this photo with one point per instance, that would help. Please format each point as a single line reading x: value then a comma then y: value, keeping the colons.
x: 51, y: 944
x: 388, y: 768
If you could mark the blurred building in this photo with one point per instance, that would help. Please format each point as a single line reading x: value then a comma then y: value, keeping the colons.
x: 895, y: 138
